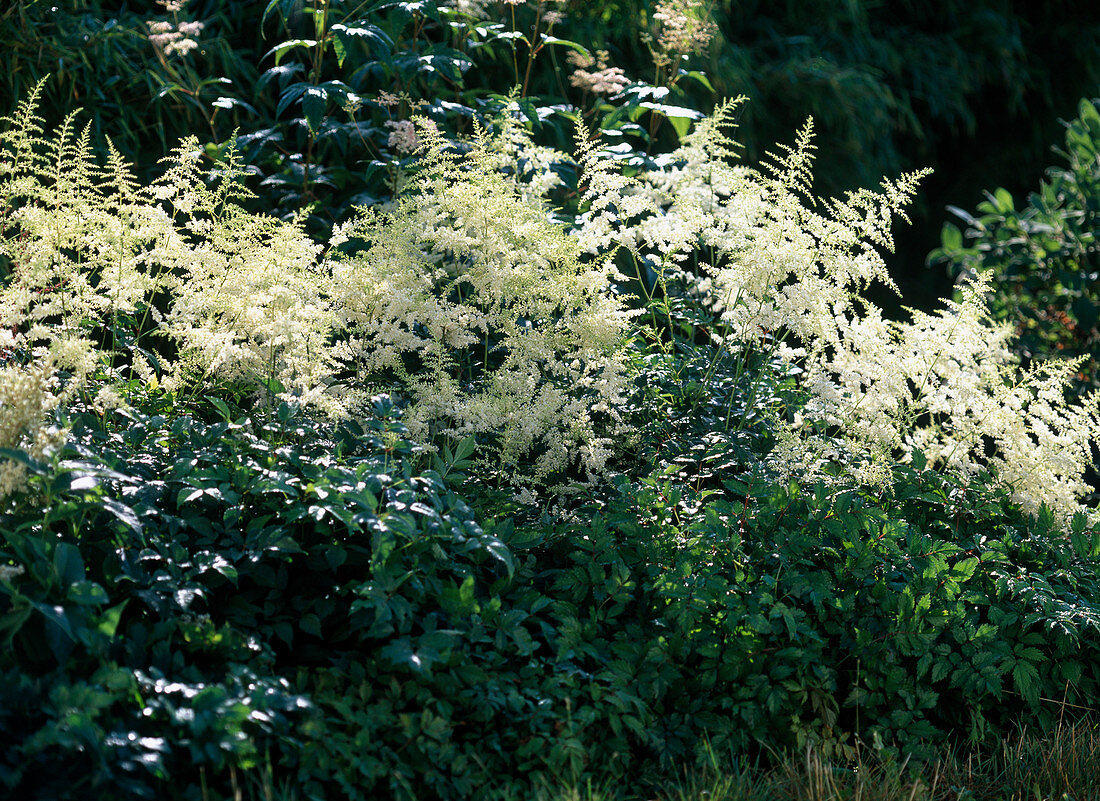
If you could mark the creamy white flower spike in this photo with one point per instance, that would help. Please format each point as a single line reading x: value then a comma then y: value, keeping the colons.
x: 788, y: 273
x: 483, y: 312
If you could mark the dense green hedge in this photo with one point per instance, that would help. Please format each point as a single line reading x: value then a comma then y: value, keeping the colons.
x: 204, y: 595
x: 185, y: 573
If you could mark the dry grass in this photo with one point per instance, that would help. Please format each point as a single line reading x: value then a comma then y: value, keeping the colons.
x: 1062, y: 765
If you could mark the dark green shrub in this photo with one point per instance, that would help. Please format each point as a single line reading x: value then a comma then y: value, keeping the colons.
x: 778, y: 617
x: 1044, y: 255
x: 181, y: 569
x: 200, y: 596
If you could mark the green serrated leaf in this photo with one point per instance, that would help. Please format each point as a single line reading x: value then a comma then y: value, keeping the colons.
x: 940, y: 670
x: 310, y: 624
x: 919, y: 460
x: 963, y: 570
x: 1026, y: 679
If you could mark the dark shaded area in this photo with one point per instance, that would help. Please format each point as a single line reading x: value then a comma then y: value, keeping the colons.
x: 974, y: 90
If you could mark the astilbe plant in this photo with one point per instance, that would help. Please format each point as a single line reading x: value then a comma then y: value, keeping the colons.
x: 493, y: 321
x: 467, y: 300
x: 98, y: 268
x: 43, y: 299
x: 947, y: 386
x: 470, y: 301
x: 26, y: 399
x: 250, y: 301
x: 789, y: 272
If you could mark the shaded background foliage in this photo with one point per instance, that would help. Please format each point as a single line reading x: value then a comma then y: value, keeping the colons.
x: 99, y: 58
x: 1043, y: 253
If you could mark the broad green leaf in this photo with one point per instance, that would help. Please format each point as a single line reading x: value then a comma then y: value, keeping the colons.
x: 340, y: 50
x: 699, y: 77
x: 87, y: 593
x: 310, y: 624
x: 289, y: 96
x: 67, y: 563
x: 951, y: 238
x: 222, y: 407
x: 556, y: 42
x: 314, y: 102
x: 367, y: 33
x: 283, y: 48
x: 56, y: 615
x: 465, y: 448
x: 1003, y: 200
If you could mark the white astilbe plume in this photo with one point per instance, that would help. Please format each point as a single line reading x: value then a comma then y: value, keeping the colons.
x: 780, y: 266
x: 27, y: 396
x: 480, y: 309
x: 250, y: 297
x: 468, y: 296
x: 612, y: 202
x: 788, y: 272
x: 513, y: 153
x: 492, y: 320
x: 252, y: 306
x: 947, y: 384
x: 87, y: 246
x: 775, y: 264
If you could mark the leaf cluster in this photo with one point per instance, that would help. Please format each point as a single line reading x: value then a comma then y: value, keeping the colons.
x: 202, y: 592
x: 186, y: 572
x: 1043, y: 255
